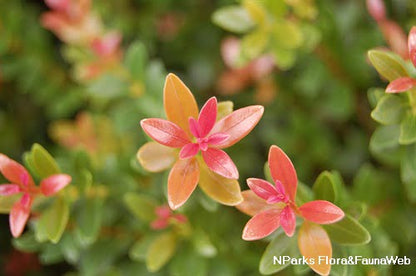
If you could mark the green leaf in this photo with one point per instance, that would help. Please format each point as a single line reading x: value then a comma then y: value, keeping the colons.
x: 348, y: 231
x: 142, y: 206
x: 385, y: 137
x: 139, y: 249
x: 187, y: 263
x: 279, y: 246
x: 233, y: 18
x: 374, y: 95
x: 54, y: 220
x: 324, y: 187
x: 161, y: 251
x: 387, y: 64
x: 107, y: 87
x: 408, y: 171
x: 27, y: 242
x: 287, y: 34
x: 89, y: 219
x: 136, y: 60
x: 6, y: 203
x: 304, y: 194
x: 389, y: 110
x: 284, y: 58
x: 203, y: 244
x: 408, y: 130
x: 254, y: 43
x: 43, y: 163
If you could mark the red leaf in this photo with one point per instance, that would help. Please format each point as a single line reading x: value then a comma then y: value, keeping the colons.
x: 54, y: 183
x: 321, y: 212
x: 165, y: 132
x: 14, y: 172
x: 208, y: 116
x: 238, y: 124
x: 282, y: 169
x: 261, y: 225
x: 189, y: 150
x: 19, y: 214
x: 401, y: 85
x: 217, y: 139
x: 194, y: 127
x: 411, y: 43
x: 262, y: 188
x: 219, y: 162
x: 182, y: 181
x: 9, y: 189
x: 288, y: 221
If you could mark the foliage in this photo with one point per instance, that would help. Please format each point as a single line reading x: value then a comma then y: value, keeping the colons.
x: 96, y: 106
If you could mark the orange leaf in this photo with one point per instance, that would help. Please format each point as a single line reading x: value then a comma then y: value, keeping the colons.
x: 238, y: 124
x: 182, y: 181
x: 179, y: 102
x: 314, y: 244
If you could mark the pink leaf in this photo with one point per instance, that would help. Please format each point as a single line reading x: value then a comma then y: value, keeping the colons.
x: 106, y: 45
x: 207, y: 116
x: 19, y: 214
x: 194, y: 127
x: 163, y: 211
x: 321, y: 212
x: 411, y: 43
x: 219, y: 162
x: 189, y: 150
x: 401, y: 85
x: 59, y: 5
x: 261, y: 225
x: 238, y: 124
x: 376, y: 9
x: 252, y: 204
x: 262, y: 188
x: 158, y: 224
x: 14, y: 172
x: 54, y: 183
x: 165, y: 132
x: 282, y: 169
x: 217, y: 139
x: 288, y: 221
x: 9, y: 189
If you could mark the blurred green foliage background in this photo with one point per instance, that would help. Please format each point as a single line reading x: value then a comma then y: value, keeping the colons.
x: 316, y: 109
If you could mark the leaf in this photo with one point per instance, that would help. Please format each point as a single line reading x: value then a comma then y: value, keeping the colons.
x: 387, y: 64
x: 233, y: 18
x: 254, y: 43
x: 203, y: 245
x: 282, y: 169
x: 224, y: 190
x: 287, y: 34
x: 262, y: 224
x: 139, y: 249
x: 389, y: 110
x: 252, y: 204
x: 408, y: 171
x: 155, y: 157
x: 182, y: 181
x: 279, y: 246
x: 238, y: 124
x: 142, y: 206
x: 408, y: 130
x: 107, y: 87
x: 26, y: 242
x: 401, y: 85
x: 89, y: 219
x: 53, y: 221
x: 321, y: 212
x: 43, y: 162
x: 385, y: 137
x: 348, y: 231
x: 314, y: 243
x: 161, y: 251
x: 187, y: 263
x: 324, y: 187
x: 220, y: 162
x: 7, y: 202
x: 283, y: 58
x: 175, y: 95
x: 255, y: 10
x: 136, y: 59
x: 165, y: 132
